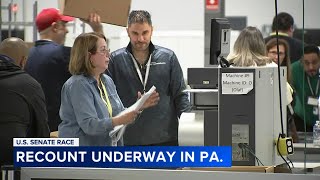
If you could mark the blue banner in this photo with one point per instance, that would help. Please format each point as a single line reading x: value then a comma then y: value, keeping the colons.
x: 124, y: 157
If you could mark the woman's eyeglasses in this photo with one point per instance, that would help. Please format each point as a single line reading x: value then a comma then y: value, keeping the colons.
x: 274, y: 53
x: 104, y: 52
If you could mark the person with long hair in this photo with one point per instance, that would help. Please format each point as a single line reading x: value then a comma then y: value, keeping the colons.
x: 284, y: 54
x: 90, y: 105
x: 249, y: 50
x: 284, y: 60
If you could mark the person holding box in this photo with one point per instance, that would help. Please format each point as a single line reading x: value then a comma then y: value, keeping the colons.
x: 49, y: 59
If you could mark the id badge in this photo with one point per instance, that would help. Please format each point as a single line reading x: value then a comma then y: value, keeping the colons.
x: 315, y: 110
x: 313, y: 101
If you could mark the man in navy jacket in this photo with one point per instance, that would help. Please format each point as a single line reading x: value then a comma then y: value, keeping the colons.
x: 138, y: 67
x: 49, y: 60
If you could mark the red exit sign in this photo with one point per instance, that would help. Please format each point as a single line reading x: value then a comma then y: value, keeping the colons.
x: 212, y: 4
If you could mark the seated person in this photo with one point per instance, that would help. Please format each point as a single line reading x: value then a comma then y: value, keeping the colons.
x: 284, y: 60
x: 305, y: 81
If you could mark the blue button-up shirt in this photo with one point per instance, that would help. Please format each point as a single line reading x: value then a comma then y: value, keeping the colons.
x: 84, y: 114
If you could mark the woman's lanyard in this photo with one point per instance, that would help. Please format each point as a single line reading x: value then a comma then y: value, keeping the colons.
x: 144, y: 83
x: 317, y: 87
x: 104, y: 97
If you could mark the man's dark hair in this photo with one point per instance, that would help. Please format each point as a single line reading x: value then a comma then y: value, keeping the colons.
x: 308, y: 49
x: 285, y: 22
x: 139, y: 16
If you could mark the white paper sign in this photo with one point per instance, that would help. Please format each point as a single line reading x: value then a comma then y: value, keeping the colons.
x: 236, y: 83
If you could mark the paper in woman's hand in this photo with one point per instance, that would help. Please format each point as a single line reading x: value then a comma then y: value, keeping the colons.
x: 116, y: 134
x: 138, y: 105
x: 118, y: 131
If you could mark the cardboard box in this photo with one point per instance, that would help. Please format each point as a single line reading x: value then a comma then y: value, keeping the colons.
x: 261, y: 169
x: 114, y: 12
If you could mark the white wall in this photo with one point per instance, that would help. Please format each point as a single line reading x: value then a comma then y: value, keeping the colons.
x: 187, y: 45
x: 260, y: 12
x: 179, y: 24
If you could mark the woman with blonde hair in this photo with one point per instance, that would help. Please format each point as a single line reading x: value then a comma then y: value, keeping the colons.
x: 249, y: 50
x: 90, y: 106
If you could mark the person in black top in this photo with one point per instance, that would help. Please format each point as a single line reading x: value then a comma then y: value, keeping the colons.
x: 285, y: 31
x: 22, y: 105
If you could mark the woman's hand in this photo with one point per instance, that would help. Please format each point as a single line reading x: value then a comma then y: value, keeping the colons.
x: 125, y: 117
x: 151, y: 101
